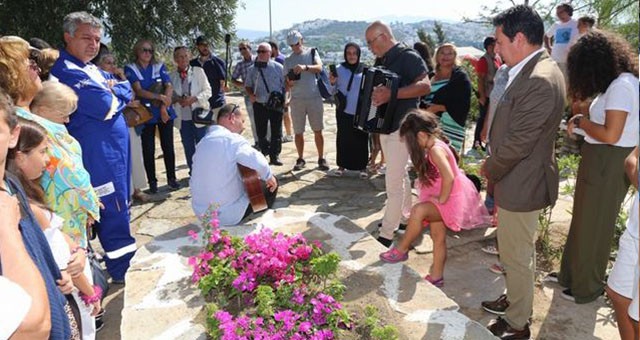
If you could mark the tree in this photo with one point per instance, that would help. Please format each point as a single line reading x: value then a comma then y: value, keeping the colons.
x: 427, y: 39
x: 441, y: 37
x: 165, y: 22
x: 615, y: 15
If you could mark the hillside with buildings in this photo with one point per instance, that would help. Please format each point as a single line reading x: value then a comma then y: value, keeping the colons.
x: 330, y: 36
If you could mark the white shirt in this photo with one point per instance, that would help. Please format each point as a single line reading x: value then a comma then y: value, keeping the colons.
x: 515, y: 70
x: 622, y: 94
x: 215, y: 176
x: 14, y: 307
x: 563, y: 34
x: 200, y: 89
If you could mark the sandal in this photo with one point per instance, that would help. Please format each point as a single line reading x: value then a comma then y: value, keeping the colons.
x: 394, y: 256
x: 436, y: 282
x: 337, y: 172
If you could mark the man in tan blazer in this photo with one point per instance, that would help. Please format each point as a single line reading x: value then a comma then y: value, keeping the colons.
x: 522, y: 163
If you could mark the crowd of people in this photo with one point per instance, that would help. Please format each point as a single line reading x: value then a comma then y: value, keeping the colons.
x: 78, y: 134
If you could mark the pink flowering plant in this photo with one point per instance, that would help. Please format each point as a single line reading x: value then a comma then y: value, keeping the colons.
x: 268, y: 285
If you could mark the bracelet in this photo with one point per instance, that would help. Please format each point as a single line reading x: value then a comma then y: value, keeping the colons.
x: 89, y: 300
x: 306, y: 67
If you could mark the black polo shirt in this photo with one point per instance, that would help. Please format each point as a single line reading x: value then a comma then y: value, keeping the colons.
x: 408, y: 64
x: 215, y: 70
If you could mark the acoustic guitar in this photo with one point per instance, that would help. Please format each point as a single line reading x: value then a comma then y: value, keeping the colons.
x: 253, y: 186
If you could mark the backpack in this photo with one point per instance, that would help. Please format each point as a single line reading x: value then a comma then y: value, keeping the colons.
x: 322, y: 78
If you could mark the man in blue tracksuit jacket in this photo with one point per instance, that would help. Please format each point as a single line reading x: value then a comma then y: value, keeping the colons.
x: 100, y: 128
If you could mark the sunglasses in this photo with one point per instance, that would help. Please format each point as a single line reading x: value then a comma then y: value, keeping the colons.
x: 263, y: 51
x: 147, y: 50
x: 242, y: 49
x: 292, y: 46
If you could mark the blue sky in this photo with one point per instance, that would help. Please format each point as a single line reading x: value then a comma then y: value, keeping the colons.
x: 284, y: 13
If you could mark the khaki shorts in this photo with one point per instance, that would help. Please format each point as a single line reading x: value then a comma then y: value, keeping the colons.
x: 303, y: 107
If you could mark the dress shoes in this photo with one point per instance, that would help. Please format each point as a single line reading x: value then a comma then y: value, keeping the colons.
x: 275, y: 161
x: 501, y: 329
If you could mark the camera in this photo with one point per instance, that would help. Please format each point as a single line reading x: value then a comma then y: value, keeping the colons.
x: 293, y: 76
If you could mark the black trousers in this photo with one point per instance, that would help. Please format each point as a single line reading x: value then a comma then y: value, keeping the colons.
x: 262, y: 116
x: 149, y: 150
x: 269, y: 196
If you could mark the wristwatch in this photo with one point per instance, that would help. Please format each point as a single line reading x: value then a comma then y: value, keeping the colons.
x: 576, y: 121
x: 306, y: 67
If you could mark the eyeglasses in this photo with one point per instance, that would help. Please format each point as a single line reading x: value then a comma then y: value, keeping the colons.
x: 147, y: 50
x: 369, y: 42
x: 294, y: 45
x: 263, y: 51
x: 242, y: 49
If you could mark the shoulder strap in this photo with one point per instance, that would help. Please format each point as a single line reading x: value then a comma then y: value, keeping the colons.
x: 264, y: 81
x: 353, y: 73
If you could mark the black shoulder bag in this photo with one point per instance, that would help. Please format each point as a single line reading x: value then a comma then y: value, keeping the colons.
x: 275, y: 102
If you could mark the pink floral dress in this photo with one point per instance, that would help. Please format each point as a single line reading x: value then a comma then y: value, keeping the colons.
x: 464, y: 208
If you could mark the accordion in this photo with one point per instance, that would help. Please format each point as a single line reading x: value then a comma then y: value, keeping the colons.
x: 370, y: 118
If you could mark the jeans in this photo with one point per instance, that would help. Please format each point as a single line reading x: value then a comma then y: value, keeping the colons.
x: 190, y: 135
x: 149, y: 150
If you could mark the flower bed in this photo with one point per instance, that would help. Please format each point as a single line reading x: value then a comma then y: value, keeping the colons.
x: 268, y: 285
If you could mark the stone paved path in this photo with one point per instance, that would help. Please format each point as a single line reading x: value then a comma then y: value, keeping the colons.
x: 361, y: 201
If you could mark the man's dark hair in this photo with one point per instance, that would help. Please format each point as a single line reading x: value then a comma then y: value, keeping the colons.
x: 226, y: 110
x: 488, y: 41
x: 39, y: 43
x: 590, y: 21
x: 274, y: 46
x: 566, y: 7
x: 523, y: 19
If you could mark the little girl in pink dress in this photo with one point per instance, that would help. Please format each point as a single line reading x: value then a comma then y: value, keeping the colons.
x: 448, y: 199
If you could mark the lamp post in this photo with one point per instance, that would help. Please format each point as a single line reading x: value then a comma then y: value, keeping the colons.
x: 270, y: 31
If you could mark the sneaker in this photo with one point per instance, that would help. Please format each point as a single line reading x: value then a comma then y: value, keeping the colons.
x: 567, y: 295
x: 552, y: 277
x: 364, y: 174
x: 382, y: 170
x: 153, y: 188
x: 497, y: 307
x: 502, y: 330
x: 337, y: 172
x: 490, y: 249
x: 275, y: 160
x: 287, y: 139
x: 394, y: 256
x: 99, y: 325
x: 322, y: 164
x: 173, y: 184
x: 497, y: 268
x: 300, y: 163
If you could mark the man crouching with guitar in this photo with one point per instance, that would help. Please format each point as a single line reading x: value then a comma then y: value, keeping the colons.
x: 228, y: 173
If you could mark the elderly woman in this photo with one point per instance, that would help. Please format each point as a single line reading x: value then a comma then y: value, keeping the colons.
x: 152, y: 85
x: 19, y: 79
x: 601, y: 66
x: 107, y: 62
x: 351, y: 144
x: 450, y: 95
